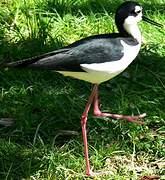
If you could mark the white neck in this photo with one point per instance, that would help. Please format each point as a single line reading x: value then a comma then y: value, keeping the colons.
x: 134, y: 31
x: 131, y: 27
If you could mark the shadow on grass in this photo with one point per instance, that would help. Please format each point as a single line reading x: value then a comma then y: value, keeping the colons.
x: 43, y: 106
x: 43, y: 103
x: 90, y: 6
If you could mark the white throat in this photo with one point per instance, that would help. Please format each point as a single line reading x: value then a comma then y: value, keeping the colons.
x: 130, y: 25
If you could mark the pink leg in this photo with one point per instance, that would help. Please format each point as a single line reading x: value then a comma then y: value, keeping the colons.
x: 84, y: 133
x: 98, y: 113
x: 93, y: 98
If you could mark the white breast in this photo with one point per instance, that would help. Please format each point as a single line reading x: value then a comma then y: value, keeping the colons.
x: 99, y: 72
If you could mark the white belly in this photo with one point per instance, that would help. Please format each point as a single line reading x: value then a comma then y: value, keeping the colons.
x: 99, y: 72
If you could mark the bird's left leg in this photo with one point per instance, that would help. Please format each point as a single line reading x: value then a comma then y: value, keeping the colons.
x: 97, y: 112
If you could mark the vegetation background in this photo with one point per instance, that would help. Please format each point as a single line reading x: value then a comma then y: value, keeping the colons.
x: 45, y: 140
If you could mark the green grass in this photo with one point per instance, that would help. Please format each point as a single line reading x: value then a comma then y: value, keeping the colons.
x: 45, y: 141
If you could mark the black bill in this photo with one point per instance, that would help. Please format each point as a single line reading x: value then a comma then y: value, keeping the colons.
x: 151, y: 21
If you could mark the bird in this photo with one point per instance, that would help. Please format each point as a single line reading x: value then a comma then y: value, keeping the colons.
x: 96, y: 59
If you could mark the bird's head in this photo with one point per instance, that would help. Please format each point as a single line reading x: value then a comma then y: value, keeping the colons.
x: 129, y: 14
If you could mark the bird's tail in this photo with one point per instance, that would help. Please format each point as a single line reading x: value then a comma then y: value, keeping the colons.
x: 29, y: 62
x: 21, y: 63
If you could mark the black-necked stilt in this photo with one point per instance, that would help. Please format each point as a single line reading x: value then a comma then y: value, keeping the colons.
x: 97, y: 59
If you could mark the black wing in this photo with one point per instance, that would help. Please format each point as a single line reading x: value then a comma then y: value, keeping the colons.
x: 93, y: 49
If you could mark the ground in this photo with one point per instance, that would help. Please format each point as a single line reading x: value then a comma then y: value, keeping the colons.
x: 45, y: 140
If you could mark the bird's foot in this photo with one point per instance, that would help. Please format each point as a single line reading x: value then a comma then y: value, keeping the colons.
x: 134, y: 119
x: 90, y: 173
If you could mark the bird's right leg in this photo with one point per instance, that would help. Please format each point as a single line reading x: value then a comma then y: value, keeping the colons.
x: 84, y: 133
